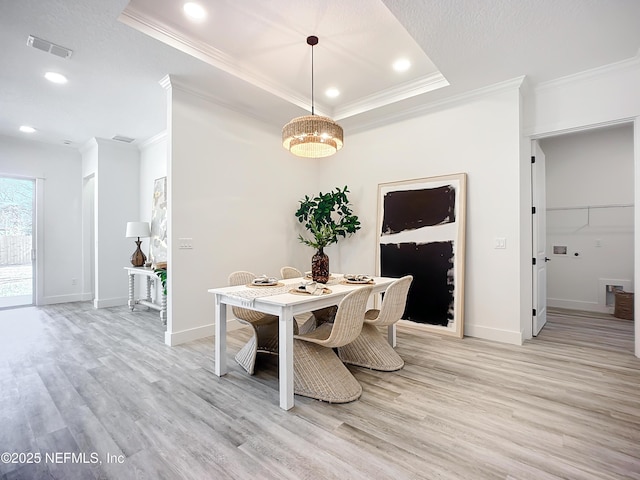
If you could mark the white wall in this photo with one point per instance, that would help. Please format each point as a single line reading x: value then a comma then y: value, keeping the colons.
x: 117, y: 178
x: 480, y: 137
x: 233, y: 190
x: 593, y: 168
x: 600, y: 96
x: 60, y: 167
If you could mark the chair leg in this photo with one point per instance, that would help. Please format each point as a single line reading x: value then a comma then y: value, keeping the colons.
x: 246, y: 357
x: 319, y: 374
x: 371, y: 350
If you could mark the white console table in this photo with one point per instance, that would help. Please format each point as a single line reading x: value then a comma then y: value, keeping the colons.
x: 151, y: 277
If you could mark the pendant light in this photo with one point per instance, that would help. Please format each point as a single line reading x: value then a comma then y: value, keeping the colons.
x: 312, y: 136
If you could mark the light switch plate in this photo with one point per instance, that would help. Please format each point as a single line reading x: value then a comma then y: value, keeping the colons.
x: 185, y: 243
x: 501, y: 242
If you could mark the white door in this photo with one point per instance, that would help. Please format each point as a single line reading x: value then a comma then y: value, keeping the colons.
x: 539, y: 222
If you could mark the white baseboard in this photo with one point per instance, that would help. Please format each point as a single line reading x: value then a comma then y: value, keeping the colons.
x: 579, y: 305
x: 76, y: 297
x: 176, y: 338
x: 109, y: 302
x: 493, y: 334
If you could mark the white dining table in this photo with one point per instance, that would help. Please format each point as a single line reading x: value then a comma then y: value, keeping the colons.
x: 285, y: 306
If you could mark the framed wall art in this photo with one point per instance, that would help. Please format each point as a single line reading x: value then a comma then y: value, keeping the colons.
x: 421, y: 232
x: 158, y: 240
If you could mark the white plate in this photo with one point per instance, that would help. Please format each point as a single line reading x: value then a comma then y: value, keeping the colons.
x: 264, y: 284
x: 352, y: 278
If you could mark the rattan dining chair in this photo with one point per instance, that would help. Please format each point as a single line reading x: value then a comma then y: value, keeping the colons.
x: 371, y: 349
x: 265, y: 327
x: 318, y: 372
x: 290, y: 272
x: 318, y: 317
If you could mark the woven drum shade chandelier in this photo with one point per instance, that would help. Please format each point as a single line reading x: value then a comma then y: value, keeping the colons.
x: 312, y: 136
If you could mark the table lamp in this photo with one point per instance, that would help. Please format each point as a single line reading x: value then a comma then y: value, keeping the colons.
x: 138, y: 229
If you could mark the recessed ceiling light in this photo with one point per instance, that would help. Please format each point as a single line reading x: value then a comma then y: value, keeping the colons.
x: 401, y: 65
x: 55, y: 77
x: 332, y: 92
x: 194, y: 11
x: 27, y: 129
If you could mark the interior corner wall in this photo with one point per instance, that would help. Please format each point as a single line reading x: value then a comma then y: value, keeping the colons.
x: 636, y: 240
x: 153, y: 165
x: 61, y: 169
x: 592, y: 168
x: 232, y: 192
x: 117, y: 181
x: 480, y: 137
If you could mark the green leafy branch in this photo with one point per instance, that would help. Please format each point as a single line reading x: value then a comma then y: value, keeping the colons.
x: 327, y: 216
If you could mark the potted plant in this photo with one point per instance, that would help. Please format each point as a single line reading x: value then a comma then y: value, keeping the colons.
x: 327, y: 216
x: 161, y: 271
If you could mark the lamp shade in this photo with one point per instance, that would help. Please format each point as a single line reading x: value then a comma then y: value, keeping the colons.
x: 138, y: 229
x: 312, y: 136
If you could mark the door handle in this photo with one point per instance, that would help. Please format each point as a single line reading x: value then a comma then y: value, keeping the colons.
x: 547, y: 259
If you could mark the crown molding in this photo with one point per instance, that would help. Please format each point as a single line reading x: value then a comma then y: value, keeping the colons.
x: 557, y: 129
x: 506, y: 86
x: 88, y: 145
x: 159, y: 137
x: 173, y: 83
x: 629, y: 63
x: 392, y: 95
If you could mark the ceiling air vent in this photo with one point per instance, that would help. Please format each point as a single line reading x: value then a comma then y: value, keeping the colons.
x: 122, y: 138
x: 47, y: 46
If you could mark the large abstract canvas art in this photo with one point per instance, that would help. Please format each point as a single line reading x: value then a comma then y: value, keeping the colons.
x: 421, y: 228
x: 158, y: 240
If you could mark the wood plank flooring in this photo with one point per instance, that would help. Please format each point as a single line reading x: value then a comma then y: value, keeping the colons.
x: 101, y: 384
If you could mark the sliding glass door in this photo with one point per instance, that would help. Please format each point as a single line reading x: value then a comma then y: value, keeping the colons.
x: 16, y: 241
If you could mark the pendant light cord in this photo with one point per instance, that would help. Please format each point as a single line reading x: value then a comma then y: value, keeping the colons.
x: 312, y: 96
x: 312, y: 41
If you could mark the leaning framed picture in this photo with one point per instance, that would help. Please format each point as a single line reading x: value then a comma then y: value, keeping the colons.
x: 421, y: 232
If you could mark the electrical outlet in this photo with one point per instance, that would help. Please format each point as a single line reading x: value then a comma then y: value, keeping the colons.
x: 74, y: 281
x: 500, y: 242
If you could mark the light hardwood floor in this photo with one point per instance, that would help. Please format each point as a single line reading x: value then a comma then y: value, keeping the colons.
x: 102, y: 382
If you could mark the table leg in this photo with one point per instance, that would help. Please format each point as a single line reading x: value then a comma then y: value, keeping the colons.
x: 132, y: 288
x: 163, y: 305
x: 149, y: 281
x: 220, y: 367
x: 285, y: 349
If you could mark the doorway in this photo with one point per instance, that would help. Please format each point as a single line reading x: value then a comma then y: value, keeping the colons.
x: 17, y: 273
x: 590, y: 217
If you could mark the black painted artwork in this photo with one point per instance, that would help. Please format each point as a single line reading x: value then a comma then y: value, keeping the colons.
x: 431, y: 297
x: 413, y: 209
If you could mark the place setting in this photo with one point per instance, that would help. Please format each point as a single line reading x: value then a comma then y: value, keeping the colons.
x: 310, y: 288
x: 357, y: 279
x: 265, y: 281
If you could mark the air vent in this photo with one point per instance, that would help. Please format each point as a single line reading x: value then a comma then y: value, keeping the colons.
x: 47, y: 46
x: 122, y: 138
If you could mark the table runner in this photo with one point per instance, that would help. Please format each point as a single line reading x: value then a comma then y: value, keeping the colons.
x: 248, y: 295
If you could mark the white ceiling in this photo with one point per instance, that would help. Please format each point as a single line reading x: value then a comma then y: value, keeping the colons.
x: 252, y: 56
